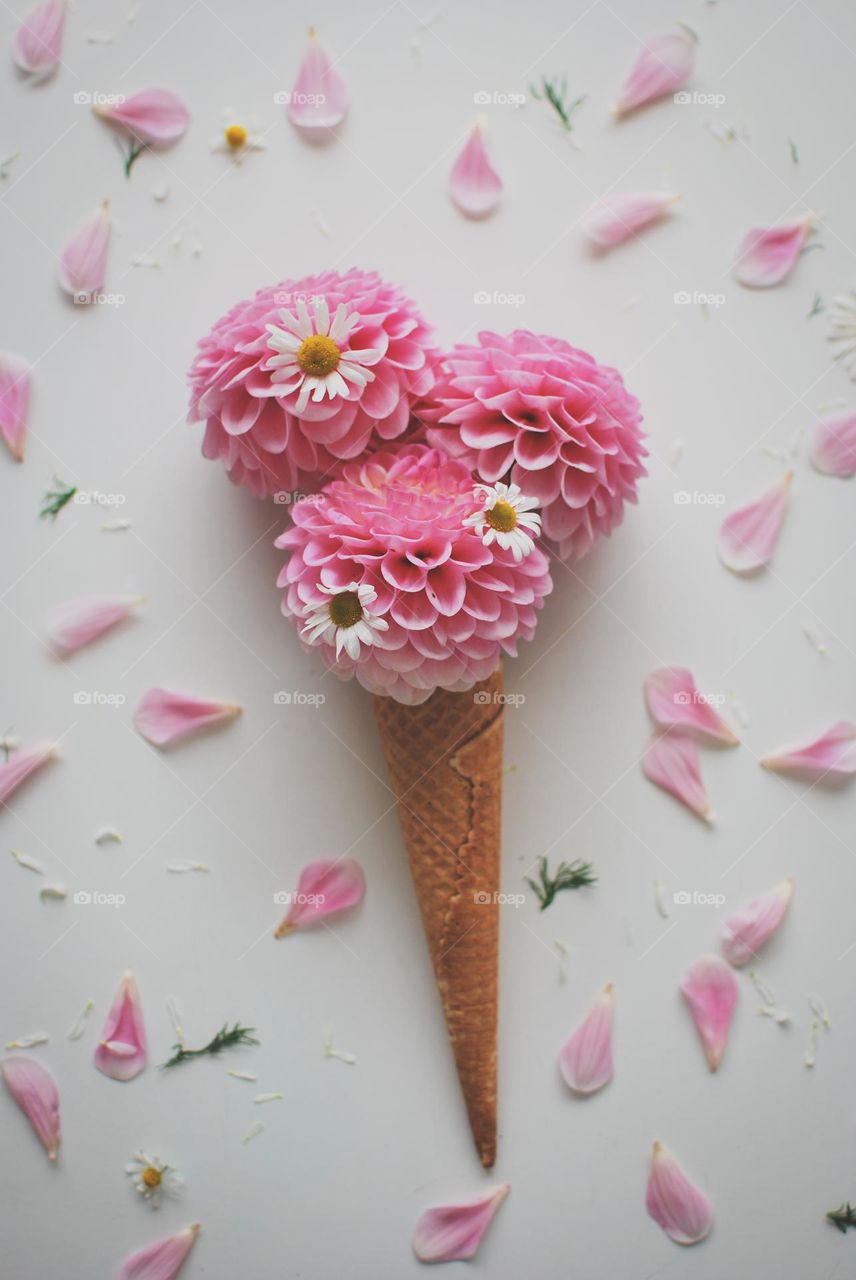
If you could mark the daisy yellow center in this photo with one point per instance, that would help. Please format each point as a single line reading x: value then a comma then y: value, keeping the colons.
x: 152, y: 1177
x: 236, y: 136
x: 318, y: 355
x: 345, y: 609
x: 502, y: 517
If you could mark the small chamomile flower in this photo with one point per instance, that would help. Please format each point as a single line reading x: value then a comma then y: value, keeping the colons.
x: 313, y: 353
x: 345, y: 618
x: 238, y: 137
x: 842, y: 335
x: 152, y: 1178
x: 506, y: 517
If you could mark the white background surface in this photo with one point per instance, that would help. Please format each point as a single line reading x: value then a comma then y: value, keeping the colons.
x: 352, y: 1155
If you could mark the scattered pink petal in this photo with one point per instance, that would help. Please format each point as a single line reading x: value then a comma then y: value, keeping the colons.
x: 325, y: 887
x: 767, y: 256
x: 83, y: 261
x: 38, y: 41
x: 674, y: 702
x: 832, y: 755
x: 21, y: 764
x: 453, y: 1232
x: 164, y: 716
x: 684, y: 1213
x: 162, y: 1260
x: 34, y: 1089
x: 664, y: 66
x: 78, y: 622
x: 319, y: 99
x: 153, y: 116
x: 121, y: 1053
x: 671, y: 761
x: 14, y: 402
x: 474, y: 184
x: 710, y: 988
x: 617, y: 217
x: 833, y: 449
x: 586, y: 1058
x: 748, y: 535
x: 745, y: 932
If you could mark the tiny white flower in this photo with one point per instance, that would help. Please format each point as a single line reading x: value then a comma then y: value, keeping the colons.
x: 311, y: 353
x: 506, y: 517
x: 238, y: 139
x: 345, y: 619
x: 152, y: 1178
x: 842, y: 335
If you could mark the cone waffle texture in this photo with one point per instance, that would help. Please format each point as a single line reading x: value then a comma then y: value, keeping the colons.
x: 445, y: 765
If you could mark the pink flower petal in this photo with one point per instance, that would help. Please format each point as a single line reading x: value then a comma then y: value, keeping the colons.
x: 34, y: 1089
x: 748, y: 535
x: 38, y: 41
x: 78, y: 622
x: 617, y: 217
x: 745, y: 932
x: 585, y: 1060
x: 21, y: 764
x: 767, y: 256
x: 325, y: 887
x: 154, y: 116
x: 684, y: 1213
x: 164, y: 716
x: 664, y: 66
x: 121, y: 1053
x: 453, y: 1232
x: 833, y: 449
x: 674, y: 702
x: 832, y: 755
x: 710, y: 988
x: 83, y: 261
x: 163, y: 1259
x: 319, y: 99
x: 14, y: 402
x: 671, y: 761
x: 474, y: 184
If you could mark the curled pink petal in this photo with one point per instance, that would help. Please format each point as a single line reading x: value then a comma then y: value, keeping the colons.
x: 319, y: 99
x: 674, y: 702
x: 154, y: 116
x: 671, y: 761
x: 83, y: 261
x: 585, y: 1060
x: 474, y: 184
x: 453, y: 1232
x: 832, y: 755
x: 833, y: 448
x: 38, y: 41
x: 684, y: 1212
x: 710, y: 989
x: 121, y: 1053
x: 78, y: 622
x: 162, y: 1260
x: 745, y: 932
x: 164, y: 716
x: 325, y: 887
x: 21, y: 764
x: 34, y: 1089
x: 14, y: 402
x: 664, y: 66
x: 617, y: 217
x: 748, y: 535
x: 768, y: 255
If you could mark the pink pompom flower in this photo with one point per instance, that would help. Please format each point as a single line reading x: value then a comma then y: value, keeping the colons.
x: 546, y: 415
x: 309, y: 373
x: 391, y: 541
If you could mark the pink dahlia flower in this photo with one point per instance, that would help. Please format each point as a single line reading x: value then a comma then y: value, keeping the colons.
x: 388, y: 555
x: 307, y: 373
x: 563, y: 427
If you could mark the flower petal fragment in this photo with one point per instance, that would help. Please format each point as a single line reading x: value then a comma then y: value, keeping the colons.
x: 38, y: 41
x: 585, y: 1060
x: 14, y: 402
x: 21, y: 764
x: 684, y: 1212
x: 153, y: 116
x: 83, y: 261
x: 832, y: 755
x: 619, y: 216
x: 833, y: 448
x: 748, y: 535
x: 319, y: 99
x: 674, y: 702
x: 664, y: 66
x: 164, y: 716
x: 454, y: 1232
x: 710, y: 989
x: 768, y: 255
x: 474, y: 184
x: 163, y: 1259
x: 745, y: 932
x: 121, y: 1053
x: 78, y: 622
x: 34, y: 1089
x: 671, y: 761
x: 325, y: 887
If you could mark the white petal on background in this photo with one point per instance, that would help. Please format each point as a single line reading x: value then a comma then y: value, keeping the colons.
x: 475, y: 186
x: 748, y: 535
x: 833, y: 447
x: 83, y: 260
x: 454, y: 1232
x: 38, y: 41
x: 53, y: 893
x: 671, y: 761
x: 675, y: 1204
x: 14, y: 402
x: 710, y: 989
x: 832, y: 755
x: 80, y: 621
x: 617, y: 217
x: 674, y: 701
x: 586, y: 1058
x: 745, y: 932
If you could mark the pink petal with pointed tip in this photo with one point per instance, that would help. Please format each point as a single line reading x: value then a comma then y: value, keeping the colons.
x: 585, y: 1060
x: 154, y: 116
x: 617, y: 217
x: 38, y: 41
x: 164, y: 716
x: 454, y: 1232
x: 671, y: 761
x: 768, y: 255
x: 121, y: 1053
x: 83, y: 261
x: 674, y: 701
x: 162, y: 1260
x: 748, y: 535
x: 325, y: 887
x: 78, y: 622
x: 833, y: 449
x: 474, y: 184
x: 684, y: 1212
x: 664, y: 66
x: 21, y: 764
x: 833, y: 755
x: 745, y: 932
x: 14, y: 402
x: 34, y: 1089
x: 319, y: 99
x: 710, y: 989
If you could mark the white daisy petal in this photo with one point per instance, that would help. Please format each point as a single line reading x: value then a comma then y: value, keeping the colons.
x: 322, y: 316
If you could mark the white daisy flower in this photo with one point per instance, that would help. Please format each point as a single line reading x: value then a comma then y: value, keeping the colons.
x: 311, y: 353
x: 506, y: 518
x: 237, y: 140
x: 842, y: 335
x: 345, y: 618
x: 152, y: 1178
